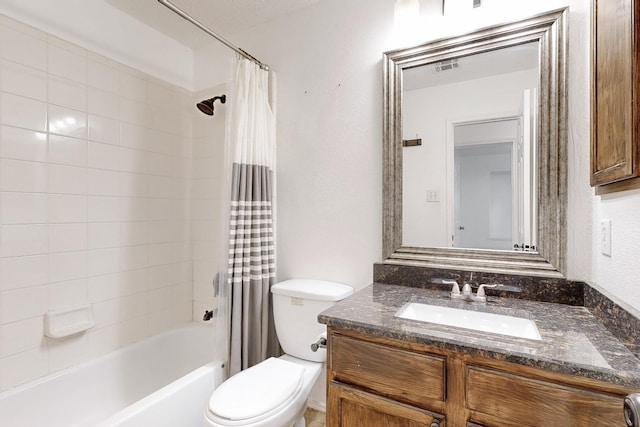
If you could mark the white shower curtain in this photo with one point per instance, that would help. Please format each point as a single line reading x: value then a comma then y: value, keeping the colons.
x: 251, y: 237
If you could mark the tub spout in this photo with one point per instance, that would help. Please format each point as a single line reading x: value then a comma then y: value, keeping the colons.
x: 208, y: 315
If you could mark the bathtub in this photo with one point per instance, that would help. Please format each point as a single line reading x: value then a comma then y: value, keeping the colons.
x: 165, y: 380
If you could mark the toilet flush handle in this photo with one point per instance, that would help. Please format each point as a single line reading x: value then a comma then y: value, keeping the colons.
x: 321, y: 343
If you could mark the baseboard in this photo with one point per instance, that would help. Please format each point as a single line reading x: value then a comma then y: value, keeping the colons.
x: 317, y: 405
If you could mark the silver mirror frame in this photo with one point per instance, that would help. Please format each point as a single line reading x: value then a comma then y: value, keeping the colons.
x: 550, y: 31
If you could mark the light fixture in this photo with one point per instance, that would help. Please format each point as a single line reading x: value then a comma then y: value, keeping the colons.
x: 458, y: 7
x: 406, y: 13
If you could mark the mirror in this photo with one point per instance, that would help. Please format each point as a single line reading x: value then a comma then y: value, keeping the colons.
x: 475, y: 150
x: 470, y: 181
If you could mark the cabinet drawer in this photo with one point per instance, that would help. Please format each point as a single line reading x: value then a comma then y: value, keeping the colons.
x: 402, y: 375
x: 357, y: 408
x: 514, y: 400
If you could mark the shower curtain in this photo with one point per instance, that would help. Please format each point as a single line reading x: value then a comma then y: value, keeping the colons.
x: 251, y: 270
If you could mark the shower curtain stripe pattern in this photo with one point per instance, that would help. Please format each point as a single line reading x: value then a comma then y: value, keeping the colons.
x: 251, y: 245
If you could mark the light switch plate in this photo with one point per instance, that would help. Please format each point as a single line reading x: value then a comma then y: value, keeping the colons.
x: 433, y: 196
x: 605, y: 237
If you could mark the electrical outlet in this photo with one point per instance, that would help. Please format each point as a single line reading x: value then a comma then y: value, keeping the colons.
x: 433, y: 196
x: 605, y: 237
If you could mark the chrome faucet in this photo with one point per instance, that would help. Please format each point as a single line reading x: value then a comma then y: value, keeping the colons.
x: 467, y: 292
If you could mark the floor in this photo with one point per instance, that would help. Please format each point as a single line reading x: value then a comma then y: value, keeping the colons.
x: 314, y: 418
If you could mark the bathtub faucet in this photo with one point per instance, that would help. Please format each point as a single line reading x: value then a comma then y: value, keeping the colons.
x: 208, y: 315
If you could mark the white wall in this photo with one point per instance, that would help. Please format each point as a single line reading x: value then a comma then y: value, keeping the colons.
x: 209, y: 231
x: 328, y: 58
x: 100, y: 27
x: 95, y: 160
x: 126, y: 251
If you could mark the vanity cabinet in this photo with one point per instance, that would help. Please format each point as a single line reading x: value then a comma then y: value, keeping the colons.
x: 615, y: 95
x: 376, y: 381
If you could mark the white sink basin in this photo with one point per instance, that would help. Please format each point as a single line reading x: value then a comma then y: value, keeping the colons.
x: 468, y: 319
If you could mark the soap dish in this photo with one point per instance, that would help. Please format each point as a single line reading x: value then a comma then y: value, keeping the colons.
x: 67, y: 322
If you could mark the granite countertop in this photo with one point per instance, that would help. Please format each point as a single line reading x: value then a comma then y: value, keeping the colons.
x: 573, y: 341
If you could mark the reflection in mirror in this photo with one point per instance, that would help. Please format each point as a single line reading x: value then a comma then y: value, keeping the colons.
x: 485, y: 187
x: 471, y: 183
x: 480, y: 181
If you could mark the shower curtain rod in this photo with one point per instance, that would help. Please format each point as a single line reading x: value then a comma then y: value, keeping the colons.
x: 212, y: 33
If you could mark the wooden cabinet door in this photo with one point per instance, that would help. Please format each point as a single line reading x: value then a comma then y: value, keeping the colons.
x: 614, y: 81
x: 351, y: 407
x: 504, y: 399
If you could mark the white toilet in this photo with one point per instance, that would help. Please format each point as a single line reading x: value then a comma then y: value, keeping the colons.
x: 274, y: 392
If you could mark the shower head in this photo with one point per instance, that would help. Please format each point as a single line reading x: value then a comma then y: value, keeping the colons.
x: 206, y: 106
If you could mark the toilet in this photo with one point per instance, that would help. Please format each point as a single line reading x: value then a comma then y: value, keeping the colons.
x: 274, y: 392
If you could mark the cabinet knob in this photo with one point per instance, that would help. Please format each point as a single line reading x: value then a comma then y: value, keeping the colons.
x: 632, y: 410
x: 435, y: 423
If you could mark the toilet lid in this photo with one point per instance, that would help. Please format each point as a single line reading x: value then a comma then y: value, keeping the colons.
x: 257, y: 391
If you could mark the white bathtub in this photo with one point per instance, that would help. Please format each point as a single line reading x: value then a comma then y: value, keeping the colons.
x: 162, y: 381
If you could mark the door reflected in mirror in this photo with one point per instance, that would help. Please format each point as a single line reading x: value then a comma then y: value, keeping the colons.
x: 472, y: 182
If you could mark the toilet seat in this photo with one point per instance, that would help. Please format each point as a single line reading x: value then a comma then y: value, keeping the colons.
x: 256, y: 393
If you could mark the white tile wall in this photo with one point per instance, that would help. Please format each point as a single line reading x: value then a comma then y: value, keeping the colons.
x: 22, y: 112
x: 22, y: 80
x: 95, y: 174
x: 23, y: 144
x: 18, y: 272
x: 208, y: 237
x: 27, y: 47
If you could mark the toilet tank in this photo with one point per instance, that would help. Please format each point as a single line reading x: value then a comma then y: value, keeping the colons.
x: 296, y: 305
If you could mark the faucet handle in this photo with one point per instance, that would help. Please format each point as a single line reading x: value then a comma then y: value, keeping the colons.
x: 455, y: 289
x: 481, y: 288
x: 466, y: 289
